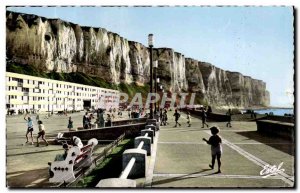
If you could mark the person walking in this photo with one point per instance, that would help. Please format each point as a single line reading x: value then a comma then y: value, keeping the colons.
x: 189, y: 119
x: 215, y: 142
x: 29, y: 128
x: 70, y: 124
x: 165, y: 118
x: 177, y: 115
x: 229, y: 118
x: 203, y: 116
x: 41, y: 133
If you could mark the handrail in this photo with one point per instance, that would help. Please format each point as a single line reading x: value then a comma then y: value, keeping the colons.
x: 128, y: 168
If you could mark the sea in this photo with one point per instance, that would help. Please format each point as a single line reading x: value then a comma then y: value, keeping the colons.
x: 276, y: 111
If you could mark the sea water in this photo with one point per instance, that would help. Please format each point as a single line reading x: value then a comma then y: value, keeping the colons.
x: 275, y: 111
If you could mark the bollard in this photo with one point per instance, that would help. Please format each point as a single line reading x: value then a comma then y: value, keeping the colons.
x: 150, y: 133
x: 152, y: 127
x: 139, y: 168
x: 147, y: 143
x: 154, y: 122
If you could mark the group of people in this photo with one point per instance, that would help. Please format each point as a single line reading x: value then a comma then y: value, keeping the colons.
x: 189, y: 120
x: 135, y: 112
x: 215, y: 140
x: 30, y: 129
x: 87, y: 120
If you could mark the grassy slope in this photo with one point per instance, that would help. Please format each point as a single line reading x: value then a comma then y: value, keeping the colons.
x: 111, y: 167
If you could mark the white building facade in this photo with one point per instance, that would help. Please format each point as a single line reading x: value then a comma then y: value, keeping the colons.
x: 47, y: 95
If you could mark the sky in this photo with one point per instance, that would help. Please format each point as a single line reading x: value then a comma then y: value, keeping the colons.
x: 256, y: 41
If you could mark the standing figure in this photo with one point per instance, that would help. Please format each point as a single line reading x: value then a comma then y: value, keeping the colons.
x: 165, y: 117
x: 29, y: 128
x: 203, y: 116
x: 85, y: 120
x: 37, y: 117
x: 161, y: 116
x: 41, y: 133
x: 108, y: 121
x: 101, y: 118
x: 90, y: 120
x: 129, y: 113
x: 229, y: 118
x: 177, y: 115
x: 70, y: 124
x: 216, y: 147
x: 189, y: 119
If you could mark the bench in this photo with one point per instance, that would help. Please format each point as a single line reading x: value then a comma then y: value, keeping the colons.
x: 76, y: 160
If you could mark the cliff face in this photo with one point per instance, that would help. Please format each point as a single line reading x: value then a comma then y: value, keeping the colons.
x: 171, y: 69
x: 56, y: 45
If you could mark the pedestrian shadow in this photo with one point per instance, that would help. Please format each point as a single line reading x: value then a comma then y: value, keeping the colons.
x: 284, y: 145
x: 34, y: 152
x: 185, y: 130
x: 28, y: 178
x: 186, y: 176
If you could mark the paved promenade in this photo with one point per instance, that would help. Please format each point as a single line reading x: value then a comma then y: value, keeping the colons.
x: 26, y: 165
x: 182, y: 158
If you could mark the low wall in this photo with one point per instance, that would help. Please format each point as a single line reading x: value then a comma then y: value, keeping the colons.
x: 286, y: 119
x: 211, y: 116
x: 129, y: 121
x: 276, y: 128
x: 108, y: 133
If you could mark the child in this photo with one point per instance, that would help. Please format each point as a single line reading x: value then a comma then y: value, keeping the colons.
x: 177, y: 115
x: 41, y: 133
x: 189, y: 119
x: 229, y: 118
x: 216, y: 148
x: 203, y: 116
x: 70, y: 124
x: 29, y: 129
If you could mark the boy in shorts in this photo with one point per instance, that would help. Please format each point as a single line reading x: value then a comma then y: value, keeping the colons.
x: 41, y: 133
x: 216, y: 147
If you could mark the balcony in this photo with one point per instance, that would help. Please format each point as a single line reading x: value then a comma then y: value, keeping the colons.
x: 12, y: 83
x: 26, y: 85
x: 16, y: 102
x: 43, y: 86
x: 14, y: 92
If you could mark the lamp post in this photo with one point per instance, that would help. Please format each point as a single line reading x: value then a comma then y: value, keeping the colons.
x: 150, y: 43
x: 156, y: 91
x: 155, y: 81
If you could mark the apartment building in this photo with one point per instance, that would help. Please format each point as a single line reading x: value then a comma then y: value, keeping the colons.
x: 47, y: 95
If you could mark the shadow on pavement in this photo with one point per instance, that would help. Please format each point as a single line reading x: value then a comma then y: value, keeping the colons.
x: 286, y: 146
x: 29, y: 178
x: 187, y: 176
x: 34, y: 152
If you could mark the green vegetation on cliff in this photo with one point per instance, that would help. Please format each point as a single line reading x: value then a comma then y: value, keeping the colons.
x: 80, y: 78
